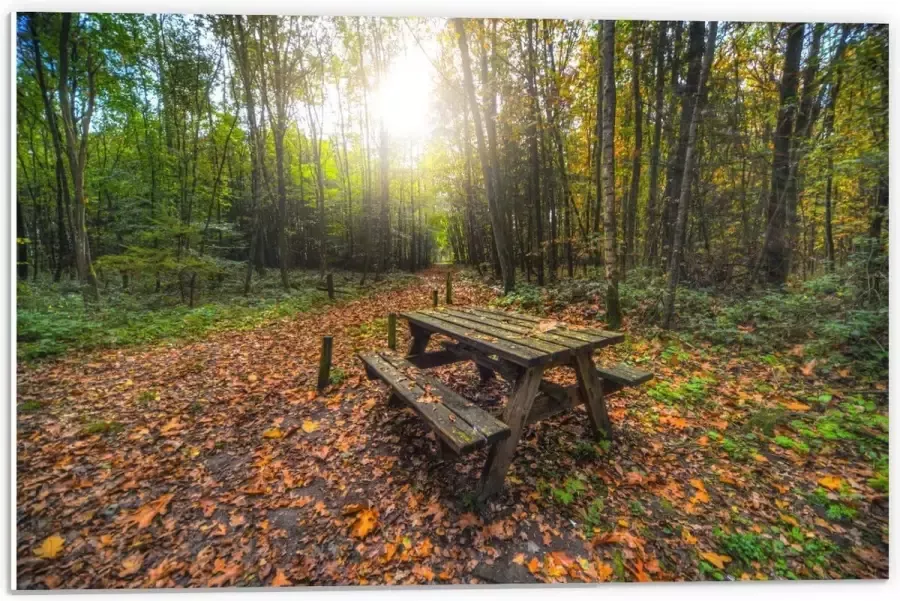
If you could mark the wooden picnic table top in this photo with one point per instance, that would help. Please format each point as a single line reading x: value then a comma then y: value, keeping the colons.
x: 521, y: 339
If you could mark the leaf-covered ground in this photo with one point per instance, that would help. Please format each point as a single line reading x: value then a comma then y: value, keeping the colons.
x: 215, y: 463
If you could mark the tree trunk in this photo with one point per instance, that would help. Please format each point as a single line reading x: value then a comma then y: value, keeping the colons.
x: 507, y: 267
x: 775, y: 252
x: 631, y: 217
x: 534, y: 176
x: 684, y: 200
x: 76, y: 143
x: 613, y: 312
x: 828, y: 127
x: 651, y: 243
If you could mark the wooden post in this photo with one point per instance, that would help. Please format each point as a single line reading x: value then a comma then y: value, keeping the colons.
x: 325, y: 362
x: 392, y: 331
x: 329, y: 282
x: 449, y: 295
x: 434, y: 298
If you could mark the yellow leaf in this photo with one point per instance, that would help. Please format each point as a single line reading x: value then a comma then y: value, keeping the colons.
x: 366, y: 520
x: 131, y: 565
x: 51, y: 547
x: 831, y: 482
x: 604, y: 571
x: 310, y: 426
x: 787, y: 519
x: 688, y: 537
x: 519, y: 559
x: 280, y: 579
x: 252, y: 378
x: 717, y: 560
x: 273, y: 433
x: 796, y: 406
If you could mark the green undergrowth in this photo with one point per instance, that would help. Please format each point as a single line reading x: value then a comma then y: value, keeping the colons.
x: 53, y: 319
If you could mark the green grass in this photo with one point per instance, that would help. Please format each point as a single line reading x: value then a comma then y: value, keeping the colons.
x: 52, y: 319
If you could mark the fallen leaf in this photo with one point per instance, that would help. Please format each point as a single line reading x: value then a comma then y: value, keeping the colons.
x: 831, y: 482
x: 252, y: 378
x: 131, y: 564
x: 688, y: 537
x: 808, y: 369
x: 280, y: 579
x: 273, y: 433
x: 365, y: 522
x: 519, y: 559
x: 787, y: 519
x: 717, y: 560
x: 310, y: 426
x: 144, y: 516
x: 795, y: 406
x: 51, y: 547
x: 534, y: 566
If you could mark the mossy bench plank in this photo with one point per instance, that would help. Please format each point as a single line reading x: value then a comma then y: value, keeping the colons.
x: 462, y: 426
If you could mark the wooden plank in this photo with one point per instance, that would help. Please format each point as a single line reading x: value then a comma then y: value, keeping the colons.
x: 458, y: 434
x: 591, y: 388
x: 577, y: 332
x: 538, y: 345
x: 530, y: 332
x: 555, y: 399
x: 434, y: 359
x: 518, y: 354
x: 508, y: 371
x: 515, y: 414
x: 624, y: 374
x: 481, y: 421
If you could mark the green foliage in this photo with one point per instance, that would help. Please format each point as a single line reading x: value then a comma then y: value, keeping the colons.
x: 525, y: 296
x: 592, y: 516
x: 337, y: 376
x: 692, y: 392
x: 29, y: 407
x: 839, y: 511
x: 571, y: 488
x: 789, y: 443
x: 745, y: 547
x: 102, y: 427
x: 51, y: 321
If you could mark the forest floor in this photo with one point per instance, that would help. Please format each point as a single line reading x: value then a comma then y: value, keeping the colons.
x: 215, y: 463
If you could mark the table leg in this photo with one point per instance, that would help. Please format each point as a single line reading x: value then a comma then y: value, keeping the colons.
x: 591, y: 389
x: 515, y: 415
x: 485, y: 373
x: 420, y: 338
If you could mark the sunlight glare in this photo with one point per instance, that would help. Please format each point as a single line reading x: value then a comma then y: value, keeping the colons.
x: 403, y: 99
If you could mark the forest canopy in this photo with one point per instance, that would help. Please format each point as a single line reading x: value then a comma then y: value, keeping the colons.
x: 158, y: 150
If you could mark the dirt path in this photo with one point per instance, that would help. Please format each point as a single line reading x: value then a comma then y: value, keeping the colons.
x: 215, y: 463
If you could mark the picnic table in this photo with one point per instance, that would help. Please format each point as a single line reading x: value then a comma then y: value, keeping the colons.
x: 519, y: 348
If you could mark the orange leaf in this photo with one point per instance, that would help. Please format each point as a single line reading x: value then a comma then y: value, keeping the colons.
x: 366, y: 520
x: 280, y: 579
x: 144, y: 516
x: 51, y: 547
x: 131, y: 565
x: 831, y: 482
x: 534, y: 566
x: 808, y: 369
x: 795, y: 406
x: 604, y: 571
x: 389, y: 550
x: 717, y: 560
x: 688, y: 537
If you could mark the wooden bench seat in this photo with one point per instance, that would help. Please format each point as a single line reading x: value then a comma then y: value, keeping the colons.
x: 624, y: 375
x: 460, y: 425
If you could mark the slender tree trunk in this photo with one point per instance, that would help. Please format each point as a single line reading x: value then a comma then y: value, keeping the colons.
x: 76, y: 143
x: 534, y: 179
x: 684, y: 201
x: 613, y: 312
x: 631, y: 218
x: 828, y: 126
x: 507, y: 267
x: 651, y: 244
